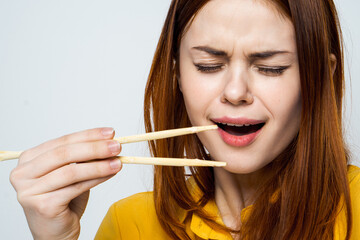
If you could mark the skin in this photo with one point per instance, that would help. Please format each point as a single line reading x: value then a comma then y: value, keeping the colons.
x: 236, y: 84
x: 52, y: 191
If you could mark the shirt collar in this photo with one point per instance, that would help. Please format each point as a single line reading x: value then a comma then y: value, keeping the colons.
x: 199, y: 227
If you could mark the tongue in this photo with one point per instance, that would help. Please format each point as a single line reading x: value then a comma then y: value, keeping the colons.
x: 240, y: 131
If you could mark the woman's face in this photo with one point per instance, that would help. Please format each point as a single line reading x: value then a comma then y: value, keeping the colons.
x: 239, y: 69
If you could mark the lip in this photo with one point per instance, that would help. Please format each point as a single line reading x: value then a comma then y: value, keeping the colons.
x: 238, y: 141
x: 238, y: 121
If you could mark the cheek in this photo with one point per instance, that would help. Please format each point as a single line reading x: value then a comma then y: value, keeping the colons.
x: 280, y: 95
x: 283, y: 102
x: 199, y: 94
x: 196, y: 97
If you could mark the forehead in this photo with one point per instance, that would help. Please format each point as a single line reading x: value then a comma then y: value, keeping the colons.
x: 246, y: 23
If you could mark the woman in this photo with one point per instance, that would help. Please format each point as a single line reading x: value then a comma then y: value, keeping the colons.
x: 270, y: 75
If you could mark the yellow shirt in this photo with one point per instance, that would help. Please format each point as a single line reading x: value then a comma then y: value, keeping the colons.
x: 134, y: 218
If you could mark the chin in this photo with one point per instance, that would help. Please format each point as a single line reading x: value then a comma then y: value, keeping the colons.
x: 238, y: 166
x: 241, y: 168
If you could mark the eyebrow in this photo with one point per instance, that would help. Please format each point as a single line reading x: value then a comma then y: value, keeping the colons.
x: 211, y: 51
x: 266, y: 54
x: 252, y: 56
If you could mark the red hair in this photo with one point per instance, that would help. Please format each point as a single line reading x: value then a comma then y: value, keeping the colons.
x: 311, y: 173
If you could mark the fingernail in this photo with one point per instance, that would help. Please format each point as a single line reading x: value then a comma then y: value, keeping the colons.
x: 115, y: 164
x: 107, y: 132
x: 114, y: 147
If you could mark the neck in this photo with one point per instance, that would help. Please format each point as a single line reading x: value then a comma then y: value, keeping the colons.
x: 234, y: 192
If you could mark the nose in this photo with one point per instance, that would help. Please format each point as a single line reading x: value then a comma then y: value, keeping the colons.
x: 236, y: 90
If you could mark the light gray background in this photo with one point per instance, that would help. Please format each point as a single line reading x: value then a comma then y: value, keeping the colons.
x: 68, y: 65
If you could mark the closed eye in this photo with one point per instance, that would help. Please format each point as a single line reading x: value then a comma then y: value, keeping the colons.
x: 208, y: 68
x: 268, y: 71
x: 272, y: 71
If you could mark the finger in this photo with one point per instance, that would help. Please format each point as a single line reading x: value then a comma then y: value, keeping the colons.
x: 74, y: 173
x: 65, y: 195
x: 82, y: 136
x: 72, y: 153
x: 51, y: 205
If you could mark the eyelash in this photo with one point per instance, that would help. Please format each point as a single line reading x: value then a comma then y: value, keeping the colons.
x: 208, y: 68
x: 272, y: 71
x: 269, y: 71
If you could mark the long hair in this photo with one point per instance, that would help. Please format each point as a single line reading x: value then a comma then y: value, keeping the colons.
x: 310, y: 176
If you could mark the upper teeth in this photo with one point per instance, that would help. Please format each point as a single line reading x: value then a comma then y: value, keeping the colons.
x: 236, y: 125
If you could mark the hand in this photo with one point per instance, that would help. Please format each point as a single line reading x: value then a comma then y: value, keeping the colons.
x: 53, y: 180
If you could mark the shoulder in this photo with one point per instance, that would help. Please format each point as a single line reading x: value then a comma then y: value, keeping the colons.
x: 139, y: 201
x: 132, y: 218
x: 354, y: 184
x: 135, y: 210
x: 353, y: 175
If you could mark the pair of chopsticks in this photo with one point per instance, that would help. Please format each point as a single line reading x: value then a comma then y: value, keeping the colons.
x: 7, y: 155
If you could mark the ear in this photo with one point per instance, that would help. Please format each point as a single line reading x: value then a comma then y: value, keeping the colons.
x: 333, y: 62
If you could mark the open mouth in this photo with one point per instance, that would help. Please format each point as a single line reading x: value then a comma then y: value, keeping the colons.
x: 240, y: 130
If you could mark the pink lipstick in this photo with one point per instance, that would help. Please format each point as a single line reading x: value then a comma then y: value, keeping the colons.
x: 238, y: 132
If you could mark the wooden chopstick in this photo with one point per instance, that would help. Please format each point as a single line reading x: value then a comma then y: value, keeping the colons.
x: 164, y: 134
x: 7, y: 155
x: 170, y: 161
